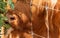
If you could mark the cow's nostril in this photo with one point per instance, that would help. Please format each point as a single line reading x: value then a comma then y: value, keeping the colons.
x: 6, y: 22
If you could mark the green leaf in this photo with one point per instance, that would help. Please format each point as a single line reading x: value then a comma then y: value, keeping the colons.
x: 1, y: 20
x: 2, y: 6
x: 9, y: 1
x: 1, y: 23
x: 7, y: 26
x: 1, y: 0
x: 11, y: 4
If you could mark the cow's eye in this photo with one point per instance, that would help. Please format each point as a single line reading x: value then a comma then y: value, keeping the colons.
x: 12, y: 18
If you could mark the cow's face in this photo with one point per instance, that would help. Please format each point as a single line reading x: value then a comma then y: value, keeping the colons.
x: 20, y: 16
x: 14, y: 19
x: 18, y: 20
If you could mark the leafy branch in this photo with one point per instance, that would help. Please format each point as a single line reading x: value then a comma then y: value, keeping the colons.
x: 3, y: 10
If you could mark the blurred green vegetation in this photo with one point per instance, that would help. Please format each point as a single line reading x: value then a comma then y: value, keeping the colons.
x: 3, y: 11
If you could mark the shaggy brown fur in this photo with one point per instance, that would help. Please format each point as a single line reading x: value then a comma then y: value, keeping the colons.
x: 22, y: 20
x: 38, y: 17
